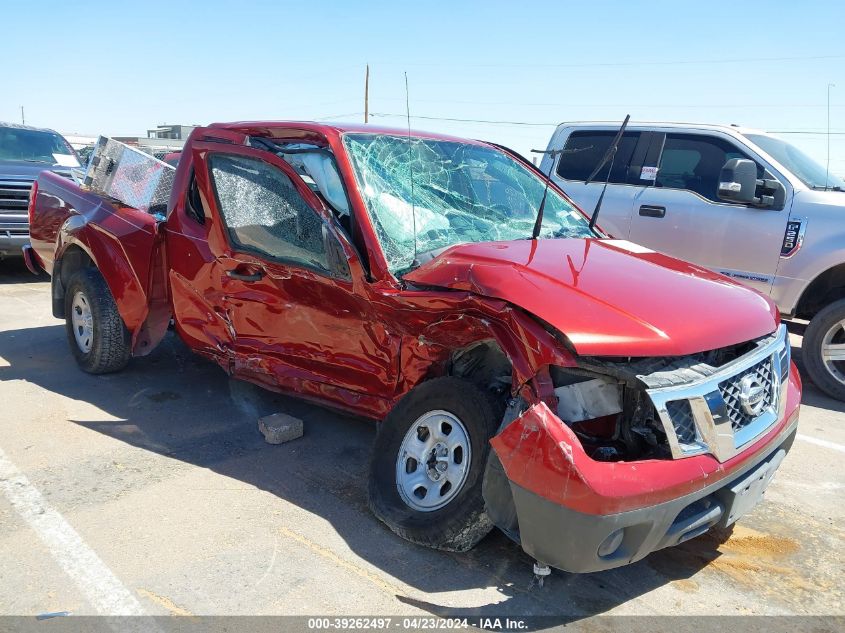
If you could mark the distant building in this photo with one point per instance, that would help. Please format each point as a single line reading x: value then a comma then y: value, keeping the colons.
x: 160, y: 140
x: 175, y: 132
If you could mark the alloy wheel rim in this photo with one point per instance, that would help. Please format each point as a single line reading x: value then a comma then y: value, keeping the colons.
x: 433, y: 461
x: 833, y: 351
x: 82, y: 321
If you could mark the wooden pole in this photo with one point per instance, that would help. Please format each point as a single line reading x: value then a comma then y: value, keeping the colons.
x: 367, y: 95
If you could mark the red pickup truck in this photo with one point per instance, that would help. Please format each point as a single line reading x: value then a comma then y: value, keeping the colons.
x: 593, y: 399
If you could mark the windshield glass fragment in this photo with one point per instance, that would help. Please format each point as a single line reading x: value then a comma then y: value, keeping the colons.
x: 424, y: 195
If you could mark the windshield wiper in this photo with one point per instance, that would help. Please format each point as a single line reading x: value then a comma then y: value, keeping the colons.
x: 609, y: 155
x: 538, y: 223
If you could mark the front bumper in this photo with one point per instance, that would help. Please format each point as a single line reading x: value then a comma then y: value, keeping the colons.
x: 11, y: 243
x: 579, y: 515
x: 571, y: 540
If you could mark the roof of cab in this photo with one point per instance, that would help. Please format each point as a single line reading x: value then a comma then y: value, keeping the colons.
x: 19, y: 126
x: 733, y: 128
x: 338, y: 128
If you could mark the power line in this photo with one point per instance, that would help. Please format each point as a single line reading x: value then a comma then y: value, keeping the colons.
x: 438, y: 118
x: 621, y: 105
x: 681, y: 62
x: 547, y: 124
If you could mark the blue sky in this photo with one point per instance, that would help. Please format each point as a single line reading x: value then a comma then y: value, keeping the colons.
x: 117, y: 68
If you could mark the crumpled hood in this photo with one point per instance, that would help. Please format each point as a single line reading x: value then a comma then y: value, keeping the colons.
x: 609, y: 297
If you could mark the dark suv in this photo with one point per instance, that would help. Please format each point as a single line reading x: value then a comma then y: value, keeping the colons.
x: 24, y: 153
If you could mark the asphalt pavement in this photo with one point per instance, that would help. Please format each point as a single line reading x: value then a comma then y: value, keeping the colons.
x: 151, y: 491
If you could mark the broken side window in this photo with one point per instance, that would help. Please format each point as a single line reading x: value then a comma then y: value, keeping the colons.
x: 263, y: 212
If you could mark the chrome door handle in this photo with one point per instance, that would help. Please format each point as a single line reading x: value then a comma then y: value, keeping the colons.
x: 650, y: 211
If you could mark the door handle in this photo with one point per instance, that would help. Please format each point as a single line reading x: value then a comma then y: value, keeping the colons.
x: 651, y: 211
x: 249, y: 277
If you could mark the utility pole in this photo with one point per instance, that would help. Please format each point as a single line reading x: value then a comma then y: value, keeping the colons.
x: 23, y: 120
x: 827, y: 167
x: 367, y: 95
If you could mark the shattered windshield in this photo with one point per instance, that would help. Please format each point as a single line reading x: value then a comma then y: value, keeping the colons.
x: 424, y: 195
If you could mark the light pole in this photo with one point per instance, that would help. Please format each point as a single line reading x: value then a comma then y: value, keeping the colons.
x: 827, y: 167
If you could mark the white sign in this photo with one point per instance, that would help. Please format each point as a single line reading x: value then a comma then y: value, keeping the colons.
x: 66, y: 160
x: 648, y: 173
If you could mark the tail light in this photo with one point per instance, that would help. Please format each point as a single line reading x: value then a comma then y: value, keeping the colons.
x: 33, y: 193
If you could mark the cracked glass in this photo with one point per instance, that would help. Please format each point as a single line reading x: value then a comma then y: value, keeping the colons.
x: 263, y: 211
x: 424, y: 195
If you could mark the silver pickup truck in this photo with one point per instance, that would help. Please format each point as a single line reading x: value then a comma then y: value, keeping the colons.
x: 739, y: 201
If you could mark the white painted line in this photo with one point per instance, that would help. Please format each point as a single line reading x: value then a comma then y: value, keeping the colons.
x: 814, y: 440
x: 99, y: 585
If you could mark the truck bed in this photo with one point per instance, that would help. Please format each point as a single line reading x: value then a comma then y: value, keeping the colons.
x: 120, y: 241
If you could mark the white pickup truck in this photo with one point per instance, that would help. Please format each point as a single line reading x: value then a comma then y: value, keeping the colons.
x: 739, y: 201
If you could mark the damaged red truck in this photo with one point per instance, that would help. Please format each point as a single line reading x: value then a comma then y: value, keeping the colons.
x: 593, y: 399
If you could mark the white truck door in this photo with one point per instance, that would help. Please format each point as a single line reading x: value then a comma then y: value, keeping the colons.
x: 583, y: 150
x: 681, y: 215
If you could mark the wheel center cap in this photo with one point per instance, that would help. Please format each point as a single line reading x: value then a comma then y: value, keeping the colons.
x: 437, y: 462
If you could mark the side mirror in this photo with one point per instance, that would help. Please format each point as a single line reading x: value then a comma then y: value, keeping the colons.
x: 738, y: 182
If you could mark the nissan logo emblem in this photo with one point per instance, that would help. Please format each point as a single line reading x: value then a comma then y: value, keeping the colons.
x: 752, y: 395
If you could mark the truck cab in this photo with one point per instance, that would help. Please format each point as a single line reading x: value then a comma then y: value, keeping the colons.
x: 669, y: 190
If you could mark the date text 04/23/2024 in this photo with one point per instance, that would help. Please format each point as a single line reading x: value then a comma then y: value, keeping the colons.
x: 415, y: 623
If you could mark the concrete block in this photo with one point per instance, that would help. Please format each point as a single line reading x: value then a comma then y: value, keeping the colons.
x: 280, y: 428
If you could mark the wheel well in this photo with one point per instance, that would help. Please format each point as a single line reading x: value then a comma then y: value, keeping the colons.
x: 824, y: 289
x: 73, y: 259
x: 483, y: 363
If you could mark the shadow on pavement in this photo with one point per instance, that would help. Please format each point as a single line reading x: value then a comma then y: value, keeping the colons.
x: 14, y: 271
x: 176, y: 404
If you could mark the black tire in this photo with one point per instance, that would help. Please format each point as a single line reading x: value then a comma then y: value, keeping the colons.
x: 110, y: 346
x: 811, y: 350
x: 462, y: 522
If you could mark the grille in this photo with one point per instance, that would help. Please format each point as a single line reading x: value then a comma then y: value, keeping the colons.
x: 731, y: 388
x: 785, y: 355
x: 681, y: 415
x: 14, y: 197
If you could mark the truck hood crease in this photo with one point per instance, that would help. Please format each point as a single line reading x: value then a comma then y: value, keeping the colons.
x: 609, y: 297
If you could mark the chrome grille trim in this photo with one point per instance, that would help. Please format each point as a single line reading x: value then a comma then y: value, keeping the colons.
x: 721, y: 426
x: 14, y: 197
x: 731, y: 393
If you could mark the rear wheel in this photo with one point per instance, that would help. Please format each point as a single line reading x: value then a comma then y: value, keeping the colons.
x: 823, y: 350
x: 98, y: 339
x: 428, y: 464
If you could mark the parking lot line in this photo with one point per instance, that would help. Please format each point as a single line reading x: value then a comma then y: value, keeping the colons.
x: 96, y: 581
x: 819, y: 442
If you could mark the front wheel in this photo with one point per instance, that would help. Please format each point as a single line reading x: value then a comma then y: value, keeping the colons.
x: 98, y: 339
x: 428, y: 464
x: 823, y: 350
